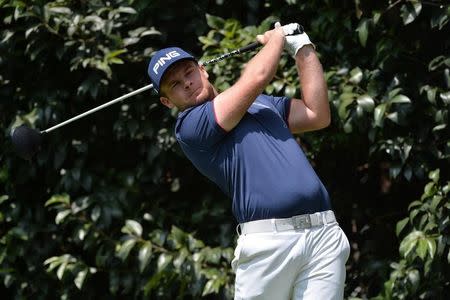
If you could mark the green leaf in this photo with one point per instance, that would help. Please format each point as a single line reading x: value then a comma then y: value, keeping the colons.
x: 445, y: 97
x: 431, y: 93
x: 409, y: 242
x: 96, y: 213
x: 348, y: 128
x: 434, y: 175
x: 379, y: 114
x: 133, y: 228
x: 180, y: 259
x: 440, y: 18
x: 400, y: 99
x: 431, y: 243
x: 79, y: 279
x: 290, y: 90
x: 401, y: 225
x: 145, y: 252
x: 356, y: 75
x: 366, y: 102
x: 414, y: 279
x: 3, y: 198
x: 115, y: 53
x: 163, y: 261
x: 215, y: 22
x: 363, y: 31
x: 60, y: 216
x: 53, y: 260
x: 62, y: 199
x: 212, y: 286
x: 178, y: 237
x: 435, y: 202
x: 448, y: 257
x: 346, y: 100
x: 414, y: 204
x: 278, y: 85
x: 124, y: 249
x: 126, y: 10
x: 410, y: 11
x: 422, y: 248
x: 438, y: 61
x: 394, y: 93
x: 393, y: 117
x: 213, y: 255
x: 60, y: 10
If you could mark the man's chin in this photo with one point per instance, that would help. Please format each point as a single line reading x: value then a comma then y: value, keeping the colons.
x: 201, y: 99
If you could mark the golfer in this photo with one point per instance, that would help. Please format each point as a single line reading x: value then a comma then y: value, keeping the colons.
x: 290, y: 245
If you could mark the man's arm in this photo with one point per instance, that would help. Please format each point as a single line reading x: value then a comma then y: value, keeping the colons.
x: 231, y: 105
x: 313, y: 111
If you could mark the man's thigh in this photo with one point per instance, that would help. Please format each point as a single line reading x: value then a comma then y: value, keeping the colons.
x: 324, y: 275
x: 266, y: 265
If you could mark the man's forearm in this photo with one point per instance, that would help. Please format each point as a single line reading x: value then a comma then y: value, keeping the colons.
x: 314, y: 86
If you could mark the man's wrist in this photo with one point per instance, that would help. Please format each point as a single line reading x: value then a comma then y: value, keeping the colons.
x: 305, y: 50
x: 296, y: 42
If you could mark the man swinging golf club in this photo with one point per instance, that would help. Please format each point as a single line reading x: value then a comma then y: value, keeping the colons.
x: 290, y: 245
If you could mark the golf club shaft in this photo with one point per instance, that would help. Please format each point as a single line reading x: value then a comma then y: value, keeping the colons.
x: 138, y: 91
x: 241, y: 50
x: 247, y: 48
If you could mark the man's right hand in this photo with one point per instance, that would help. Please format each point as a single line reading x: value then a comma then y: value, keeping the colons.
x: 264, y: 38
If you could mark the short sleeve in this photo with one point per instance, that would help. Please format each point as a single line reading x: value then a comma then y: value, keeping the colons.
x: 197, y: 127
x: 283, y: 105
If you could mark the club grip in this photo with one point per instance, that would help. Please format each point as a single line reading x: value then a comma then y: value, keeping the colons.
x: 299, y: 30
x: 249, y: 47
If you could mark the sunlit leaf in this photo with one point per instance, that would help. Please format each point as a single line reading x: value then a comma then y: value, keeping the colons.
x: 400, y: 99
x: 366, y: 102
x: 132, y: 227
x: 401, y: 225
x: 80, y: 277
x: 379, y: 114
x: 356, y: 75
x: 124, y: 249
x: 60, y: 216
x: 363, y: 31
x: 410, y: 11
x: 214, y: 21
x: 145, y: 253
x: 163, y: 261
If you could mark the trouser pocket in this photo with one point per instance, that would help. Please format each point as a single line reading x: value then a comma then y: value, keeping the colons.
x: 237, y: 253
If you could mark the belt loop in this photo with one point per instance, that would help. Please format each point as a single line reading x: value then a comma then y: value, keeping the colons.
x: 274, y: 225
x: 323, y: 217
x: 330, y: 216
x: 238, y: 229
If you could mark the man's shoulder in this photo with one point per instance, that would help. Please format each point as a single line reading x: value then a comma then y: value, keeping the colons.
x: 190, y: 111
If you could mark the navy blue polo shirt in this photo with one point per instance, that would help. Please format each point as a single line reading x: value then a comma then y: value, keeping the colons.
x: 258, y: 164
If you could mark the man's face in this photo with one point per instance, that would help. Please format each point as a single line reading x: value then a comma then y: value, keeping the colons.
x: 185, y: 84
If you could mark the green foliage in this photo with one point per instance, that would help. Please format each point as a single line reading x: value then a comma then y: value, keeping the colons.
x: 111, y: 209
x: 422, y: 272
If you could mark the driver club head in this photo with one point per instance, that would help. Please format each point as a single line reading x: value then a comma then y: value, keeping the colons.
x: 26, y: 141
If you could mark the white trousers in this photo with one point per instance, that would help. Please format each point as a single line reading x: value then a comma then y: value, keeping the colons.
x: 306, y: 264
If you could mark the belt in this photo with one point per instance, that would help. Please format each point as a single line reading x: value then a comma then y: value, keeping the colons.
x: 293, y: 223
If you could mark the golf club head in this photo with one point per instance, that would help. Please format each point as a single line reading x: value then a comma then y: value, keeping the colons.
x: 26, y: 141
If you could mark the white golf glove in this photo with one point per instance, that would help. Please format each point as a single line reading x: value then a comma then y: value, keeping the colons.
x: 294, y: 42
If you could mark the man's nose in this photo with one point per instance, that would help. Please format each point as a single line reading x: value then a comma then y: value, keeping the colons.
x: 187, y: 83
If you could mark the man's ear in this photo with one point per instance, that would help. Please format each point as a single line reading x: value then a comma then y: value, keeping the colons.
x: 166, y: 102
x: 202, y: 69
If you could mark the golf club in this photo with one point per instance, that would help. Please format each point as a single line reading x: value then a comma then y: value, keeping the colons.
x: 26, y: 141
